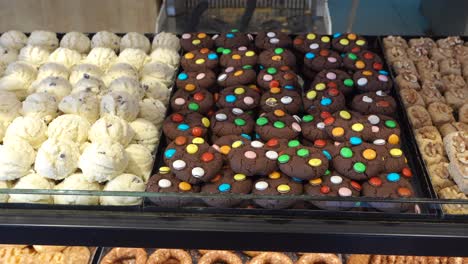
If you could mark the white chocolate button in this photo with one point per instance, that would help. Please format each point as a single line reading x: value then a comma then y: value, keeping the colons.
x: 200, y: 76
x: 373, y: 119
x: 222, y: 77
x: 379, y: 142
x: 367, y: 99
x: 286, y: 100
x: 164, y: 183
x: 321, y: 125
x: 274, y: 41
x: 271, y: 34
x: 381, y: 93
x: 221, y: 117
x: 237, y: 111
x: 186, y: 36
x: 344, y: 192
x: 272, y: 155
x: 336, y: 179
x: 198, y: 172
x: 256, y: 144
x: 362, y: 81
x: 261, y: 185
x: 179, y: 164
x: 314, y: 46
x: 242, y: 48
x: 179, y: 101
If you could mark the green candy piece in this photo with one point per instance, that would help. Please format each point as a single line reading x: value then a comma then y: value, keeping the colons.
x: 226, y: 51
x: 234, y: 30
x: 247, y: 67
x: 359, y: 167
x: 390, y: 124
x: 220, y: 50
x: 348, y: 82
x: 262, y: 121
x: 302, y: 152
x: 327, y: 172
x: 279, y: 50
x: 193, y: 106
x: 271, y: 70
x: 346, y: 152
x: 352, y: 56
x: 279, y: 124
x: 308, y: 118
x: 283, y: 158
x: 293, y: 143
x: 239, y: 122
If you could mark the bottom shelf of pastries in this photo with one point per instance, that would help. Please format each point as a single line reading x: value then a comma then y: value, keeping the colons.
x: 38, y: 254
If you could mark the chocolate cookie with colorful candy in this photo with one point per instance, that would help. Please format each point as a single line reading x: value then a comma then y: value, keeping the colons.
x: 344, y: 125
x: 311, y: 42
x: 195, y: 165
x: 252, y: 158
x: 276, y: 184
x: 237, y: 57
x: 389, y: 185
x: 289, y: 101
x: 313, y: 126
x: 348, y: 42
x: 232, y: 39
x: 363, y: 60
x: 338, y: 79
x: 328, y: 147
x: 240, y: 76
x: 226, y: 182
x: 276, y: 58
x: 302, y: 162
x: 333, y: 184
x: 185, y: 124
x: 322, y: 60
x: 196, y: 41
x: 283, y: 77
x: 198, y: 100
x: 166, y: 182
x: 384, y: 130
x: 183, y: 144
x: 278, y: 124
x: 394, y: 158
x: 245, y: 97
x: 196, y: 80
x: 378, y: 102
x: 358, y: 161
x: 271, y: 40
x: 223, y: 144
x: 321, y: 98
x: 372, y: 81
x: 199, y: 60
x: 231, y: 121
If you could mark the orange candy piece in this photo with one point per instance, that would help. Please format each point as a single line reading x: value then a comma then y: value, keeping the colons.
x: 338, y: 131
x: 369, y: 154
x: 360, y: 64
x: 180, y: 140
x: 279, y: 112
x: 224, y: 150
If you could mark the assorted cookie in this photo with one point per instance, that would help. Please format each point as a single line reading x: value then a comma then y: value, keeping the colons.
x: 349, y: 42
x: 199, y: 60
x: 282, y: 77
x: 289, y: 101
x: 272, y: 39
x: 245, y: 97
x: 231, y: 121
x: 237, y: 57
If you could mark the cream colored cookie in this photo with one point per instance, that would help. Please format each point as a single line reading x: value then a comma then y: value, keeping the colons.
x: 31, y: 129
x: 76, y: 41
x: 56, y: 159
x: 81, y: 103
x: 32, y: 181
x: 120, y: 104
x: 127, y: 183
x: 77, y: 181
x: 111, y: 128
x: 146, y: 133
x: 69, y: 126
x: 16, y: 158
x: 140, y: 161
x: 66, y: 57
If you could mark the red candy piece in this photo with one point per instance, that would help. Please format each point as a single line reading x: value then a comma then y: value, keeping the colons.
x: 329, y: 120
x: 375, y: 181
x: 324, y: 189
x: 325, y: 114
x: 404, y: 192
x: 177, y: 118
x: 298, y: 41
x: 383, y: 104
x: 216, y: 97
x: 198, y: 96
x: 320, y: 143
x: 204, y: 50
x: 207, y: 157
x: 355, y: 49
x: 274, y: 83
x: 272, y: 142
x: 377, y: 66
x: 368, y: 56
x: 216, y: 178
x: 196, y: 131
x: 407, y: 172
x: 324, y: 53
x: 288, y: 76
x: 333, y: 92
x: 180, y: 140
x: 285, y: 68
x: 210, y: 113
x: 356, y: 185
x: 331, y: 85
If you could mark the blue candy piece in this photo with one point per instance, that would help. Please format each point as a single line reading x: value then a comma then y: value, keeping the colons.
x: 393, y: 177
x: 336, y: 35
x: 183, y: 76
x: 325, y: 101
x: 289, y: 87
x: 355, y: 140
x: 296, y: 179
x: 383, y: 72
x: 183, y: 127
x: 327, y: 154
x: 231, y: 98
x: 257, y: 136
x: 212, y: 56
x: 309, y: 55
x: 224, y: 187
x: 169, y: 153
x: 261, y: 67
x: 229, y: 35
x: 246, y: 136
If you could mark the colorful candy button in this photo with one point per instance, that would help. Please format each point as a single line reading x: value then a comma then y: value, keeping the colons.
x: 315, y: 162
x: 274, y: 175
x: 239, y: 91
x: 239, y: 177
x: 237, y: 144
x: 369, y: 154
x: 359, y: 167
x: 302, y: 152
x: 358, y: 127
x: 225, y: 150
x: 355, y: 141
x: 293, y: 143
x: 205, y: 122
x: 311, y: 95
x: 207, y: 157
x: 279, y: 124
x: 404, y: 192
x: 315, y: 182
x: 284, y: 158
x: 308, y: 118
x: 239, y: 122
x: 250, y: 154
x: 191, y: 148
x: 393, y: 177
x: 346, y: 152
x: 224, y: 187
x: 338, y: 131
x: 348, y: 82
x: 283, y: 188
x: 393, y: 139
x: 261, y: 185
x: 375, y: 181
x: 185, y: 186
x: 325, y: 189
x: 396, y: 152
x: 390, y: 123
x: 183, y: 127
x: 261, y: 121
x: 345, y: 114
x: 169, y: 153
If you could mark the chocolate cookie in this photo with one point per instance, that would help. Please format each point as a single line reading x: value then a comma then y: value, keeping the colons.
x: 185, y: 124
x: 363, y: 60
x: 389, y: 185
x: 338, y: 79
x: 378, y: 102
x: 276, y: 58
x: 282, y: 77
x: 302, y: 162
x: 238, y: 57
x: 195, y: 41
x: 199, y: 60
x: 166, y: 182
x: 320, y: 98
x: 241, y: 76
x: 322, y: 60
x: 276, y: 184
x: 311, y: 42
x: 252, y: 159
x: 198, y: 100
x: 232, y: 39
x: 278, y: 124
x: 348, y: 42
x: 245, y: 97
x: 371, y: 81
x: 358, y: 161
x: 289, y: 101
x: 195, y: 80
x: 394, y: 158
x: 271, y: 40
x: 226, y: 182
x: 223, y: 144
x: 231, y: 121
x: 313, y: 126
x: 384, y: 129
x: 344, y: 125
x: 333, y: 184
x: 183, y: 144
x: 328, y: 147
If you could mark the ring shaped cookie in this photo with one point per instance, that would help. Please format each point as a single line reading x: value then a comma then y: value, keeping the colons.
x: 271, y: 258
x: 116, y: 255
x: 162, y: 256
x: 315, y: 258
x: 216, y: 256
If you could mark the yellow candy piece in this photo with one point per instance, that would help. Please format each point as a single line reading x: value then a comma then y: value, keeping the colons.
x: 345, y: 114
x: 344, y: 42
x: 358, y: 127
x: 236, y: 57
x: 249, y: 53
x: 225, y: 150
x: 311, y: 36
x: 238, y: 73
x: 198, y: 140
x: 325, y: 39
x: 337, y: 131
x: 185, y: 186
x: 164, y: 170
x: 206, y: 122
x: 315, y: 162
x: 200, y: 61
x: 191, y: 148
x: 189, y: 56
x: 237, y: 144
x: 320, y: 86
x: 283, y: 188
x: 196, y: 41
x: 311, y: 95
x: 367, y: 73
x: 276, y: 58
x: 352, y: 36
x: 393, y: 139
x: 239, y: 177
x: 396, y: 152
x: 239, y: 90
x: 360, y: 42
x: 360, y: 64
x: 369, y: 154
x: 315, y: 182
x: 274, y: 175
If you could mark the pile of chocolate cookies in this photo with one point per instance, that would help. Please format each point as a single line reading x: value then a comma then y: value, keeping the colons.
x: 244, y: 121
x: 432, y: 78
